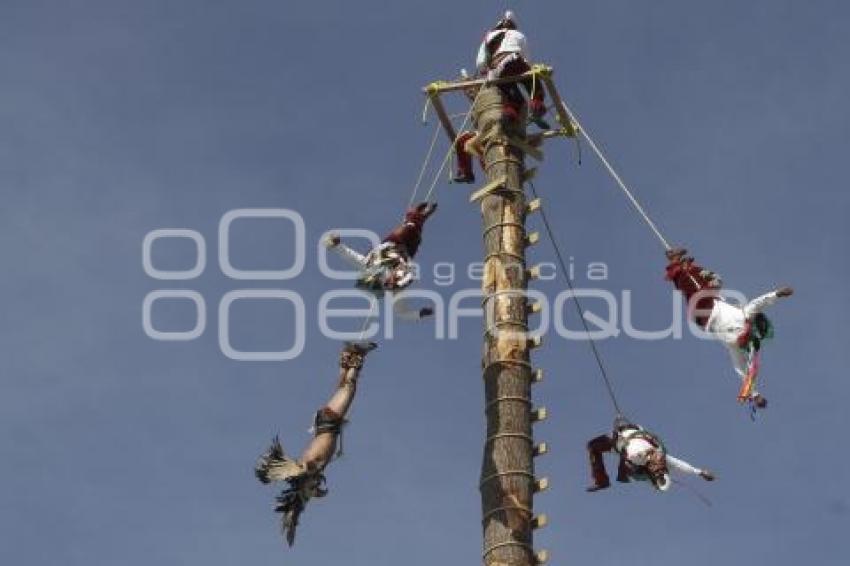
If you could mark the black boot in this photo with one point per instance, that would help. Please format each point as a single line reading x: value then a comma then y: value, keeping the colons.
x: 623, y: 471
x: 464, y: 177
x: 599, y: 483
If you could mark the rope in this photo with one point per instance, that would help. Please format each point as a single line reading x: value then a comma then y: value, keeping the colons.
x: 499, y: 435
x: 425, y: 110
x: 489, y: 550
x: 364, y: 327
x: 519, y: 508
x: 366, y: 321
x: 533, y: 85
x: 424, y: 164
x: 506, y: 473
x: 579, y: 308
x: 617, y: 178
x: 694, y: 491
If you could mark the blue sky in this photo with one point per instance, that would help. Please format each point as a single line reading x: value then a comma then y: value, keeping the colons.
x: 117, y: 118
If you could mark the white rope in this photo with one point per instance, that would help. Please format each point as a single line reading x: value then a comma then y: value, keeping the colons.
x: 579, y: 309
x: 365, y: 325
x: 617, y: 178
x: 424, y: 164
x: 694, y: 491
x: 425, y: 110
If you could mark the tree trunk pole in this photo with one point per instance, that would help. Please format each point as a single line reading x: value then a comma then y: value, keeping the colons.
x: 507, y: 473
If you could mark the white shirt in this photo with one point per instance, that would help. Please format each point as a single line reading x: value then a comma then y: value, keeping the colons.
x: 636, y: 451
x: 727, y: 322
x: 513, y: 42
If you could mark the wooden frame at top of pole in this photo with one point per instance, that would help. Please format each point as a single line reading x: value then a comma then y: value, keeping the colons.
x: 539, y: 72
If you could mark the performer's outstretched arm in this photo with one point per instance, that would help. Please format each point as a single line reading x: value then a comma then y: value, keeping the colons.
x: 352, y: 257
x: 683, y: 467
x: 760, y: 303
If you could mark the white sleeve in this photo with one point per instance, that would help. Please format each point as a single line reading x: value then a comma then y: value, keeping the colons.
x: 758, y: 304
x: 481, y: 59
x: 682, y: 466
x: 349, y: 255
x: 524, y: 51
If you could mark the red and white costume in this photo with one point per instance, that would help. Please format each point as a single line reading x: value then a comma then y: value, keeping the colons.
x: 730, y: 324
x: 642, y: 457
x: 388, y: 267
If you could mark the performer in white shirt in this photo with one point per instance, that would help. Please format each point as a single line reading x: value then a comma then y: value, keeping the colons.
x: 643, y: 457
x: 388, y: 267
x: 741, y: 328
x: 504, y: 53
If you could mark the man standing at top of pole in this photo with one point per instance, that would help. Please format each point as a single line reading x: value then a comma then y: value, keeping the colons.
x: 504, y: 53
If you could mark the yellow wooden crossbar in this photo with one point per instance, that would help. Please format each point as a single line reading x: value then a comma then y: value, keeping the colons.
x: 539, y: 72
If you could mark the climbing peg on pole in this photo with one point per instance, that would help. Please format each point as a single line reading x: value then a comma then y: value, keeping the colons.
x: 542, y: 557
x: 541, y: 449
x: 533, y: 205
x: 534, y: 308
x: 490, y: 187
x: 532, y: 238
x: 538, y: 415
x: 537, y: 376
x: 533, y: 272
x: 539, y: 521
x: 541, y: 485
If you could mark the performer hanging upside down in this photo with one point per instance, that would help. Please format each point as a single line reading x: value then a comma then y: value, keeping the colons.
x: 742, y: 329
x: 643, y: 457
x: 504, y: 53
x: 388, y: 267
x: 305, y: 476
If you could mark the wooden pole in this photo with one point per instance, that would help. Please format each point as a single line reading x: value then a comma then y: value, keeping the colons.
x: 507, y: 482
